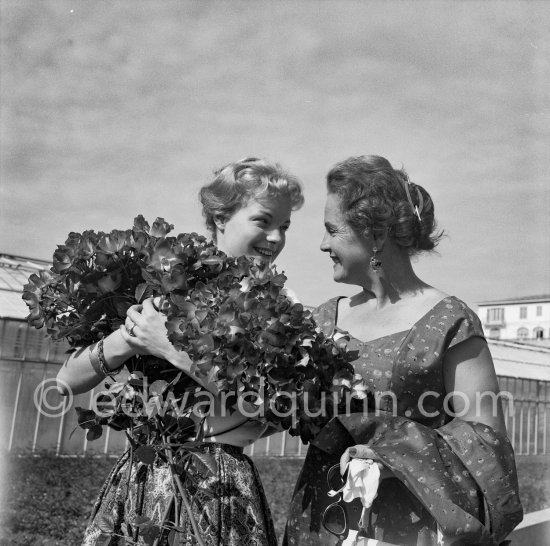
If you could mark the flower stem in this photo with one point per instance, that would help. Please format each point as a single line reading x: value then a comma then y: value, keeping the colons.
x: 185, y: 501
x: 187, y: 506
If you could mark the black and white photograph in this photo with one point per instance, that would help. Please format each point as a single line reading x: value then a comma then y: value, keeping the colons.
x: 274, y: 273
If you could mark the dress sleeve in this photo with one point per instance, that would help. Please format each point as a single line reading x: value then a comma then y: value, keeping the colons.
x: 324, y: 315
x: 466, y: 324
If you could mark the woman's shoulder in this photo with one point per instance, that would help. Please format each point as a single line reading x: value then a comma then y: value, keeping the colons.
x: 330, y: 304
x: 456, y: 320
x: 438, y: 302
x: 325, y: 314
x: 456, y: 307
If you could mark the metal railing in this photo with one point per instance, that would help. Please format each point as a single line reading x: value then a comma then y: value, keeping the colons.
x: 527, y: 419
x: 39, y: 419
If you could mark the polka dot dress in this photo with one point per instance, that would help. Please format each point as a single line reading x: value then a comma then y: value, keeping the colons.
x: 440, y: 464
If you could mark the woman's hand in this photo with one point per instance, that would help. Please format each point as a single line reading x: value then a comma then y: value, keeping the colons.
x: 150, y: 337
x: 363, y: 452
x: 145, y: 330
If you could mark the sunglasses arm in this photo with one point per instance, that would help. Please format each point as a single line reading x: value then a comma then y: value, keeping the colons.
x: 371, y: 542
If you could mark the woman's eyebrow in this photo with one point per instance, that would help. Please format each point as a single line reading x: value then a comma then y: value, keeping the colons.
x: 265, y: 213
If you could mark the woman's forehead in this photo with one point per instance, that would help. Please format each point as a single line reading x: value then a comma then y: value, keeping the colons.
x: 333, y: 206
x: 273, y: 203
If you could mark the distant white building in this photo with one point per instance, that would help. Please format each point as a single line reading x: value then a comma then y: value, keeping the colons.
x: 524, y: 319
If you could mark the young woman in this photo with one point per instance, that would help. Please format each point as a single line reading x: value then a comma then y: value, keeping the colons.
x: 247, y: 208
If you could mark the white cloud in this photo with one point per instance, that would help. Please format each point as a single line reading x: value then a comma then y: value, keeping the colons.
x: 127, y: 108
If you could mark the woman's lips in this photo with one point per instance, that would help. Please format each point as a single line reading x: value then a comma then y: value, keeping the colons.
x: 267, y: 252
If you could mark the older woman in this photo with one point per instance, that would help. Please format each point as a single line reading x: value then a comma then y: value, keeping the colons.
x: 433, y: 423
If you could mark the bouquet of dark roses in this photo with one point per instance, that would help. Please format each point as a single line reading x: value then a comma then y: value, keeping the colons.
x: 231, y: 315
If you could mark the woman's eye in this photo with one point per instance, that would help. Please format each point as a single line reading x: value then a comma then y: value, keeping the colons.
x: 284, y: 228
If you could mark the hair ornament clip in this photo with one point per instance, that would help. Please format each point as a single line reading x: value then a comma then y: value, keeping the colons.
x: 416, y: 208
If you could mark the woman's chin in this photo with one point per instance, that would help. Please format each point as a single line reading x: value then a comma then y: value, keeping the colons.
x: 338, y: 275
x: 341, y: 275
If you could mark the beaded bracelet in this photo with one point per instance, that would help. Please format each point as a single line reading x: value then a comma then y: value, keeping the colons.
x: 98, y: 361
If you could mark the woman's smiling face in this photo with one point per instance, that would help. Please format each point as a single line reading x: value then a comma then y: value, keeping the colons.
x: 257, y: 229
x: 349, y: 252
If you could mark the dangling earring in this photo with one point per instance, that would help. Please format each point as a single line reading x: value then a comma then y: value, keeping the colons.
x: 375, y: 263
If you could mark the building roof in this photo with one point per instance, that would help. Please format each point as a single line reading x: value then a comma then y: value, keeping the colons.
x: 14, y: 274
x: 519, y: 360
x: 521, y: 299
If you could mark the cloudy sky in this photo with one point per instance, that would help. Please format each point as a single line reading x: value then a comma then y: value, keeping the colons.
x: 111, y: 109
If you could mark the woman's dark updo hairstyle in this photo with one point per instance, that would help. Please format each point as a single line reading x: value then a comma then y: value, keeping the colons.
x: 235, y: 183
x: 373, y: 198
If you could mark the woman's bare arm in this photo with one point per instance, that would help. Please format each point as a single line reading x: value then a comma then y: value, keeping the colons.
x: 470, y: 378
x: 78, y: 375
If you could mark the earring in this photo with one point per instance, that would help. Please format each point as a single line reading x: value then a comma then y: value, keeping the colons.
x: 219, y: 222
x: 375, y: 263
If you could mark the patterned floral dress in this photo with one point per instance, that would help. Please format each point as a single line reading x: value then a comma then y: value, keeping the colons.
x: 453, y: 477
x: 229, y: 507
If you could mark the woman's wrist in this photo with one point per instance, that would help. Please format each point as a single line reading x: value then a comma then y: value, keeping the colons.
x: 180, y: 359
x: 116, y: 351
x: 98, y: 361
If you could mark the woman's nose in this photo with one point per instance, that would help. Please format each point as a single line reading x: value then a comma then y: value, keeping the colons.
x: 325, y: 246
x: 274, y: 236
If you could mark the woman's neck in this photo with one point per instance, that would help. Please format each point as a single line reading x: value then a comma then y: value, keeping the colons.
x: 395, y: 280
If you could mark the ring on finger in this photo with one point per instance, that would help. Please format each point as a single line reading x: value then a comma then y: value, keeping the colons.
x: 131, y: 330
